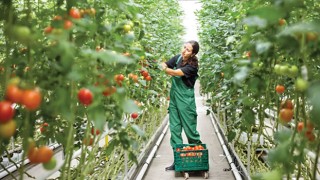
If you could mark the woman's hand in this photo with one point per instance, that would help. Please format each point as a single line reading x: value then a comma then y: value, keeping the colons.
x: 164, y: 66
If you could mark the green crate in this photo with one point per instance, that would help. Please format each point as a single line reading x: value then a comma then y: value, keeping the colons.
x: 191, y: 160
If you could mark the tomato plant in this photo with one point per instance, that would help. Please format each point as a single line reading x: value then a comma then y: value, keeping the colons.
x: 61, y: 47
x: 282, y: 52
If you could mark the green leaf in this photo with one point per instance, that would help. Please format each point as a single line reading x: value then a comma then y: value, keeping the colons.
x: 263, y: 47
x: 153, y: 92
x: 129, y: 106
x: 143, y: 82
x: 248, y: 117
x: 133, y: 157
x: 302, y: 27
x: 241, y: 75
x: 137, y: 130
x: 255, y: 21
x: 112, y: 144
x: 231, y: 135
x: 313, y: 95
x: 282, y: 136
x: 270, y: 13
x: 107, y: 57
x: 97, y: 115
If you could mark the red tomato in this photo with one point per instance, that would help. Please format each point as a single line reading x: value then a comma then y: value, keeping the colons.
x: 67, y: 24
x: 145, y: 73
x: 119, y: 77
x: 14, y: 93
x: 43, y: 127
x: 135, y: 78
x: 134, y: 115
x: 280, y: 89
x: 57, y: 18
x: 148, y: 78
x: 310, y: 136
x: 109, y: 91
x: 48, y: 30
x: 33, y: 155
x: 300, y: 126
x: 88, y: 142
x: 75, y: 13
x: 31, y: 99
x: 286, y: 104
x: 85, y: 96
x: 286, y: 115
x: 44, y: 154
x: 6, y: 111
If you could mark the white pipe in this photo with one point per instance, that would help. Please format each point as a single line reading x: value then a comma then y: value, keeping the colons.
x: 151, y: 155
x: 225, y: 150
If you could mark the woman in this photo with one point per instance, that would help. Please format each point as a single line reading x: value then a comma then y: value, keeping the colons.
x: 182, y: 107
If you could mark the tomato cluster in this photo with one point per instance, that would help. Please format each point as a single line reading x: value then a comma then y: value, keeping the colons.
x: 306, y: 130
x: 29, y: 98
x: 146, y: 75
x: 286, y: 70
x: 42, y: 154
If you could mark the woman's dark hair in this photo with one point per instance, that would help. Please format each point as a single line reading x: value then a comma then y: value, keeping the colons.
x: 195, y: 46
x: 193, y: 60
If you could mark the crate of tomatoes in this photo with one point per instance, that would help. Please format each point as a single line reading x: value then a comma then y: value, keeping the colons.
x: 191, y: 157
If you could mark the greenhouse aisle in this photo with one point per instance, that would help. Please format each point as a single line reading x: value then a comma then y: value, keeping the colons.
x: 217, y: 160
x: 164, y: 155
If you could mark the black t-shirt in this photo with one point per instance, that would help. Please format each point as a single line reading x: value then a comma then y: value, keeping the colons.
x: 190, y: 72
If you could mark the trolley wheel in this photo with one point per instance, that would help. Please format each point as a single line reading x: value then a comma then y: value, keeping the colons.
x: 206, y: 175
x: 186, y: 175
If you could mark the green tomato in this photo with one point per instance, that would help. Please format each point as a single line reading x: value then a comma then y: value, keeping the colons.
x: 301, y: 85
x: 284, y: 70
x: 293, y: 71
x: 21, y: 33
x: 51, y: 164
x: 277, y: 68
x: 126, y: 28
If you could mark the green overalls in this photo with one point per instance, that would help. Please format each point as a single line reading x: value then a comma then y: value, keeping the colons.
x: 182, y: 112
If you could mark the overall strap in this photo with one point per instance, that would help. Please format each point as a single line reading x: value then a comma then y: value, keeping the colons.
x: 179, y: 59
